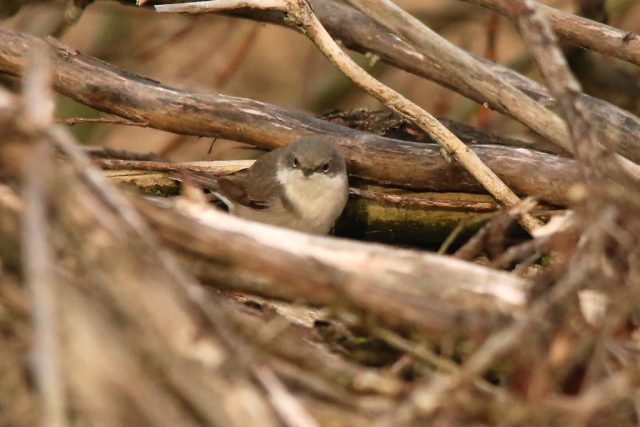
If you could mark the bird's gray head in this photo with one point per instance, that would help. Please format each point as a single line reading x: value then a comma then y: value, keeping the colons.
x: 312, y: 155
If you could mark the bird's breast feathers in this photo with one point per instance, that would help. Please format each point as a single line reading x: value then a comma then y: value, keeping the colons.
x: 318, y: 198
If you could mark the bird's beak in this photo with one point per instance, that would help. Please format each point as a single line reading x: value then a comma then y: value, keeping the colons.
x: 308, y: 172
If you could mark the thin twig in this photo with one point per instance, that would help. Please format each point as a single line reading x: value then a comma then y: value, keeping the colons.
x: 286, y: 405
x: 72, y: 121
x: 219, y: 6
x: 241, y: 52
x: 215, y: 168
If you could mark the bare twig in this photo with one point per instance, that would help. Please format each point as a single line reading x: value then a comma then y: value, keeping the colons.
x: 286, y: 405
x: 220, y: 6
x: 72, y: 121
x: 216, y: 168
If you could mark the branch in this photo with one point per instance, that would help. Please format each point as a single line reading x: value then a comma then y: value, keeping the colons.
x: 398, y: 287
x: 300, y: 13
x: 406, y: 164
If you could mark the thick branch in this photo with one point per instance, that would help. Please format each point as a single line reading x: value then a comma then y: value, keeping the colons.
x: 398, y: 286
x: 412, y: 165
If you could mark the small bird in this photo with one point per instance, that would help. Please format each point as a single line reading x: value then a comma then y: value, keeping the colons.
x: 302, y: 186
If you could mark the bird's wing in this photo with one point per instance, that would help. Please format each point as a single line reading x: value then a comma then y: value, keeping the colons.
x: 198, y: 179
x: 249, y: 186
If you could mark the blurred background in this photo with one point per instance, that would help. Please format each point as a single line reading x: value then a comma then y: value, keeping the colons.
x: 210, y: 53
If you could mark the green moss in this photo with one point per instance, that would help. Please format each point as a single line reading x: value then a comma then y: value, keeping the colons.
x: 373, y: 221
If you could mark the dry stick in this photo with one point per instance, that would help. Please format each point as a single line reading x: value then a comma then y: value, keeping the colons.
x: 580, y: 31
x: 72, y: 121
x: 214, y: 168
x: 422, y: 202
x: 220, y: 6
x: 291, y: 411
x: 299, y: 13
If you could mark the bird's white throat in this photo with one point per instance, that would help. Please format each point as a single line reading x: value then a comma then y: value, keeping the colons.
x: 316, y: 197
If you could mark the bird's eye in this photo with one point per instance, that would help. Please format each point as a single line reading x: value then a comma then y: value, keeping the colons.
x: 294, y: 162
x: 325, y: 167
